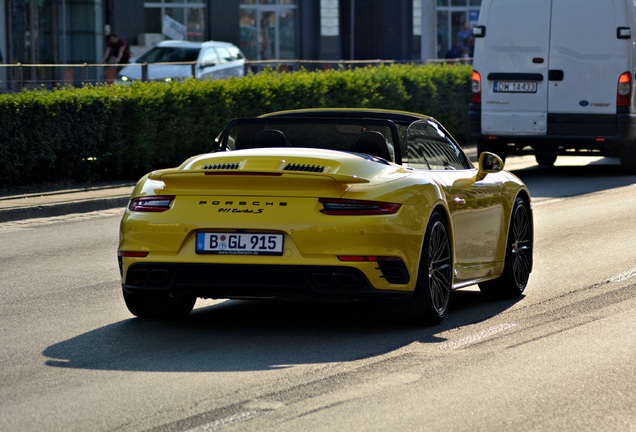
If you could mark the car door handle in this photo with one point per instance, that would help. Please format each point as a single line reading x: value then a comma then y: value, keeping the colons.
x: 459, y: 201
x: 555, y: 75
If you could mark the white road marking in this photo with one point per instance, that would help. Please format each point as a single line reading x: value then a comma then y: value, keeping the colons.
x: 623, y: 276
x: 226, y: 421
x: 476, y: 337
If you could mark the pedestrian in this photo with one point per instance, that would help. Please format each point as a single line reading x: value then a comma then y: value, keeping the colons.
x: 466, y: 39
x: 117, y: 50
x: 456, y: 51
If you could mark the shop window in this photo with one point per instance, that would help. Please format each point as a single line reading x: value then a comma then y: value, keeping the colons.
x: 183, y: 20
x: 268, y: 29
x: 455, y: 21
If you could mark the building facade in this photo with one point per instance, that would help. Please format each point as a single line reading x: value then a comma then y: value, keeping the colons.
x: 73, y: 31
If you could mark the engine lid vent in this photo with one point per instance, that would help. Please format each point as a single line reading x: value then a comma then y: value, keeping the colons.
x: 222, y: 166
x: 304, y: 167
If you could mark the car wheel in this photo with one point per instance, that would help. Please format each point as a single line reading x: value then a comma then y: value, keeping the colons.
x: 518, y: 260
x: 628, y: 159
x: 545, y: 159
x: 160, y: 306
x: 431, y: 298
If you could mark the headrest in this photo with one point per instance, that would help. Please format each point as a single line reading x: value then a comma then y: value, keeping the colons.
x: 372, y: 143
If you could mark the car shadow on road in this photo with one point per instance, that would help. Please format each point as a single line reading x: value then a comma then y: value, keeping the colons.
x: 259, y: 335
x: 561, y: 181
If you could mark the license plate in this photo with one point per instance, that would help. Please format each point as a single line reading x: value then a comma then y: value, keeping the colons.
x: 514, y: 87
x: 239, y: 243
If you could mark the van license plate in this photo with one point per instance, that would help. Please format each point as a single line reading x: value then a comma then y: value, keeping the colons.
x: 224, y: 243
x: 514, y: 87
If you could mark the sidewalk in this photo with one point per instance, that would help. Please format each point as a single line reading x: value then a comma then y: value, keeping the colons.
x: 62, y: 202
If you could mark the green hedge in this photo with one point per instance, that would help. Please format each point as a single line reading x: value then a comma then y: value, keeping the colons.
x: 103, y: 133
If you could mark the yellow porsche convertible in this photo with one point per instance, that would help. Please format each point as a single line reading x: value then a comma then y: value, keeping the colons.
x: 327, y: 204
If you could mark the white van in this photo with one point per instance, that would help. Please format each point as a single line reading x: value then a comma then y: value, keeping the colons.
x: 555, y: 77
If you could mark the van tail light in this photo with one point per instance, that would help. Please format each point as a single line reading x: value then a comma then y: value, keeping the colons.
x: 624, y: 90
x: 475, y: 88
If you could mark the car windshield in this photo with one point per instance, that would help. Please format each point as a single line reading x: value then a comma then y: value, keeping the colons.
x: 429, y: 147
x: 169, y: 55
x: 235, y: 54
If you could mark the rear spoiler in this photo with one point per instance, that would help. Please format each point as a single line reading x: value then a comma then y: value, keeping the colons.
x: 199, y: 175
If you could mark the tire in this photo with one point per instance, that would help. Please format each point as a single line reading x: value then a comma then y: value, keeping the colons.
x: 628, y: 159
x: 498, y: 149
x: 160, y: 306
x: 431, y: 299
x: 545, y: 159
x: 518, y: 259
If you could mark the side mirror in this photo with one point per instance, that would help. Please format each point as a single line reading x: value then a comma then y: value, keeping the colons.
x: 489, y: 163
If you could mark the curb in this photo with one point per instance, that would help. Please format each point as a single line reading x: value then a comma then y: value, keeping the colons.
x: 61, y: 209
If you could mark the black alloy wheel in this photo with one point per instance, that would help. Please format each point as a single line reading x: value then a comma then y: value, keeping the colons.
x: 518, y: 260
x: 546, y: 159
x: 431, y: 299
x: 628, y: 158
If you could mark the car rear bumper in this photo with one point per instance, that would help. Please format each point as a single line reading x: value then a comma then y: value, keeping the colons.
x: 257, y: 281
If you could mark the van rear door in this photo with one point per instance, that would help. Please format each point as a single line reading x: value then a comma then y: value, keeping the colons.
x: 587, y: 56
x: 562, y: 57
x: 513, y: 62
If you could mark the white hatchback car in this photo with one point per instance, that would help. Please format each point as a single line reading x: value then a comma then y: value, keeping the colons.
x: 178, y: 60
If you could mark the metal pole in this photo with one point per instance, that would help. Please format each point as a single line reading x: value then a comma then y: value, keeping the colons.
x: 428, y: 44
x: 352, y: 36
x: 64, y: 58
x: 34, y: 28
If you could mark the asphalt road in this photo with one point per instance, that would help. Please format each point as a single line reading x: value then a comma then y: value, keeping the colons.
x: 561, y: 358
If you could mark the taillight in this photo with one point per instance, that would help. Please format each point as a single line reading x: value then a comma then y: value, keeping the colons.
x: 348, y: 207
x: 156, y: 203
x: 475, y: 88
x: 624, y: 90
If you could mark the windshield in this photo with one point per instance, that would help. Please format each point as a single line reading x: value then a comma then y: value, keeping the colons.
x: 169, y: 54
x: 421, y: 144
x: 368, y: 136
x: 428, y: 146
